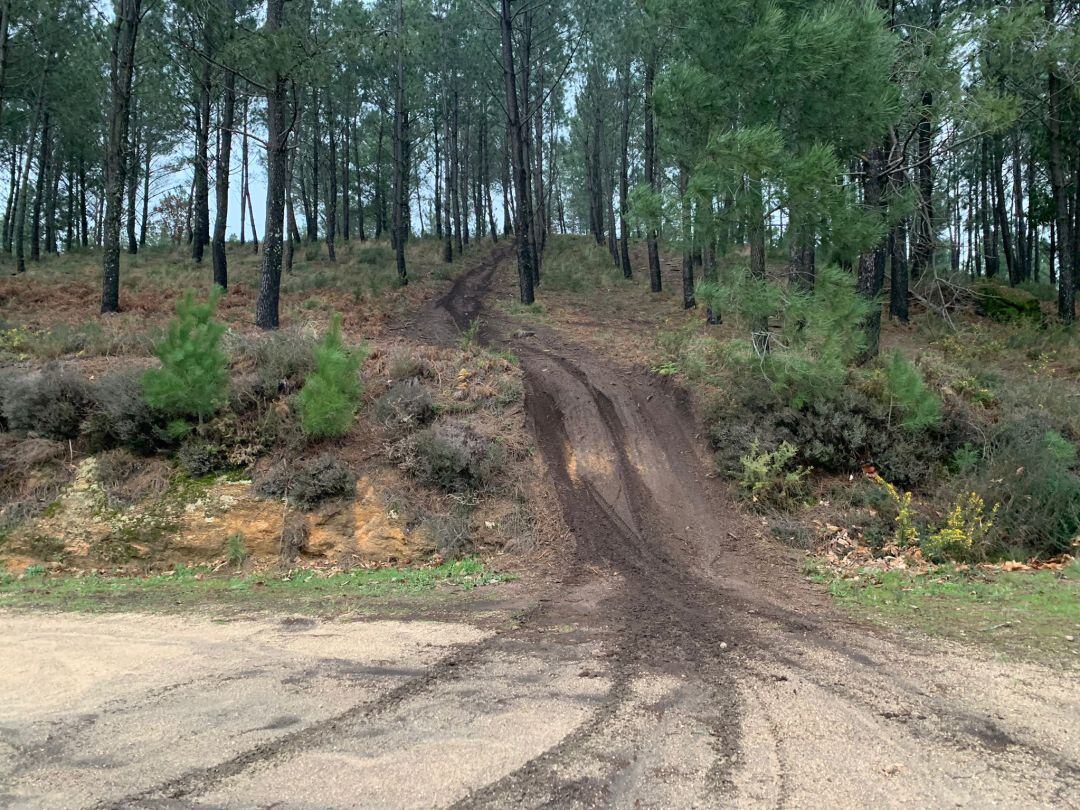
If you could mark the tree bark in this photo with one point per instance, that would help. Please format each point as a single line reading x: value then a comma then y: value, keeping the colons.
x: 40, y: 190
x: 1059, y: 190
x: 688, y: 243
x: 144, y: 224
x: 133, y: 181
x: 652, y: 238
x: 244, y: 175
x: 989, y: 249
x: 201, y: 230
x: 624, y: 177
x: 1022, y: 264
x: 224, y: 167
x: 401, y: 178
x: 331, y: 180
x: 316, y: 140
x: 125, y: 31
x: 448, y: 227
x: 1000, y: 215
x: 346, y: 182
x: 266, y: 308
x: 522, y: 215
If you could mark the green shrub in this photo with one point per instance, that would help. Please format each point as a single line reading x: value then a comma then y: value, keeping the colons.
x: 819, y: 338
x: 1006, y: 304
x: 771, y: 478
x: 52, y: 403
x: 1031, y: 472
x: 470, y: 336
x: 963, y: 535
x: 455, y: 458
x: 235, y: 549
x: 328, y: 402
x: 308, y: 483
x: 919, y: 407
x: 193, y: 379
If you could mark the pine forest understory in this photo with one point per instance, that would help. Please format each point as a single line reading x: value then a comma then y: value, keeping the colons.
x: 233, y: 232
x: 539, y: 403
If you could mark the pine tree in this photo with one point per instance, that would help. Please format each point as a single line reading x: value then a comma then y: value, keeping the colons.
x: 193, y: 381
x: 328, y: 402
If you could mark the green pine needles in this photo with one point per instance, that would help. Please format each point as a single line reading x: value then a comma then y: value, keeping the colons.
x: 328, y: 402
x: 193, y: 381
x: 819, y: 338
x: 918, y: 406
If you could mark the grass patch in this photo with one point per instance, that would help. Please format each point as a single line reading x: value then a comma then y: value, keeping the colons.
x: 1026, y: 614
x: 185, y: 588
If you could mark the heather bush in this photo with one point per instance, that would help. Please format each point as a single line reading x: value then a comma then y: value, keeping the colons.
x: 454, y: 457
x: 406, y: 404
x: 198, y: 457
x: 281, y: 361
x: 1031, y: 470
x: 121, y: 417
x: 308, y: 483
x: 52, y: 403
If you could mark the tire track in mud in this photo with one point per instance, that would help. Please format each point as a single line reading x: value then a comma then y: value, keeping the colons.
x: 665, y: 613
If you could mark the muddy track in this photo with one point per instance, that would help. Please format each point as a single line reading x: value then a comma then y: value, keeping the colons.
x: 694, y: 597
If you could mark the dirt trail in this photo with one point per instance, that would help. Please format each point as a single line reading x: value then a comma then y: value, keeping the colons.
x: 671, y: 661
x: 694, y: 596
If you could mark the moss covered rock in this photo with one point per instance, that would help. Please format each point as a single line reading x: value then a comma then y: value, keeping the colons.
x: 1006, y: 303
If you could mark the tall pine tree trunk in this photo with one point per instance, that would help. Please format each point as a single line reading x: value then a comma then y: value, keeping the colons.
x: 653, y: 238
x: 221, y: 184
x: 871, y: 275
x: 40, y: 189
x: 144, y: 223
x: 331, y: 180
x: 401, y: 178
x: 522, y: 218
x: 125, y: 30
x: 201, y: 213
x: 688, y: 242
x: 266, y: 308
x: 1059, y: 189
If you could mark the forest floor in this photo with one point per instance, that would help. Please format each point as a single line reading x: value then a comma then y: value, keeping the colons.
x: 668, y: 652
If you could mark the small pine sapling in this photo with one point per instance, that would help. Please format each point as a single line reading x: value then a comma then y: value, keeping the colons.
x: 193, y: 380
x: 919, y: 408
x: 331, y: 394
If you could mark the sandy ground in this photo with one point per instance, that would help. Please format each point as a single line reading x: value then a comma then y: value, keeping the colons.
x: 152, y: 711
x: 668, y: 660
